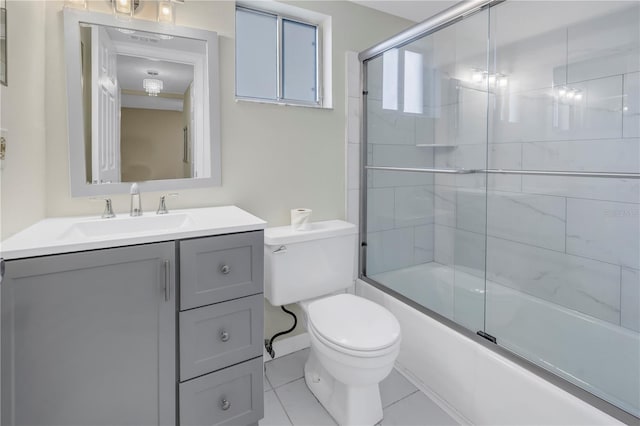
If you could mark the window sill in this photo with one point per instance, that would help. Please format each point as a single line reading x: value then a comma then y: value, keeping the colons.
x: 288, y: 104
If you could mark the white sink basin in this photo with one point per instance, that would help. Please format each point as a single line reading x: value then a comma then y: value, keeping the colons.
x: 125, y: 225
x: 72, y: 234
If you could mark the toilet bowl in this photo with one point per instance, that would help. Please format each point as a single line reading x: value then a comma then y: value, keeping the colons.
x: 354, y: 341
x: 354, y: 344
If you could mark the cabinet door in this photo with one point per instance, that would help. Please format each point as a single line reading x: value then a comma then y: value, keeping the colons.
x: 215, y: 269
x: 89, y: 338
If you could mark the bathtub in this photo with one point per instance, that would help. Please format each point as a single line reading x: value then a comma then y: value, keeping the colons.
x: 479, y: 385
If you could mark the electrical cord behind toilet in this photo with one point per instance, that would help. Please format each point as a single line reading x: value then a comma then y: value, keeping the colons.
x: 268, y: 344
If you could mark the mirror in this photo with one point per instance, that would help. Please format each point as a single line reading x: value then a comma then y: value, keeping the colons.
x: 143, y: 105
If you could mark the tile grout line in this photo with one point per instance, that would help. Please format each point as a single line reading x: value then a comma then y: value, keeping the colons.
x: 286, y: 413
x: 401, y: 399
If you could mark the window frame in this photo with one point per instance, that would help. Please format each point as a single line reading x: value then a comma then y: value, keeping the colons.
x: 280, y: 99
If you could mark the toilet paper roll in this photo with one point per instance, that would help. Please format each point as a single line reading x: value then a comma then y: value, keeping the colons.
x: 301, y: 219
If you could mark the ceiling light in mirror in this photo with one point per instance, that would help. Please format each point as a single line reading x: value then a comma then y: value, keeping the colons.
x: 152, y: 86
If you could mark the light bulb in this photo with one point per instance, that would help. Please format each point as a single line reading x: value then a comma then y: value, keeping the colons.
x: 562, y: 92
x: 123, y: 8
x: 502, y: 82
x: 578, y: 96
x: 165, y: 12
x: 571, y: 94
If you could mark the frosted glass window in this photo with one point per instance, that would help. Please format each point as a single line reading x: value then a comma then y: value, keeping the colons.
x: 413, y: 89
x: 390, y: 79
x: 256, y: 54
x: 299, y: 61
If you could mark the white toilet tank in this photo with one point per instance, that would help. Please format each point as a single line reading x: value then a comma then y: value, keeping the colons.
x: 301, y: 265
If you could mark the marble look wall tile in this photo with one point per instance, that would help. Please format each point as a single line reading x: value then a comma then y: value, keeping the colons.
x: 353, y: 206
x: 505, y: 156
x: 543, y: 117
x: 388, y: 126
x: 605, y: 45
x: 630, y: 309
x: 538, y: 220
x: 605, y: 231
x: 380, y: 209
x: 470, y: 157
x: 469, y: 253
x: 389, y: 250
x: 445, y: 122
x: 471, y: 121
x: 445, y: 205
x: 353, y: 166
x: 413, y: 206
x: 353, y: 120
x: 444, y: 158
x: 623, y: 190
x: 423, y: 244
x: 353, y: 74
x: 425, y: 129
x: 471, y: 210
x: 631, y: 106
x: 585, y: 285
x: 529, y: 62
x: 401, y: 156
x: 443, y: 242
x: 611, y: 155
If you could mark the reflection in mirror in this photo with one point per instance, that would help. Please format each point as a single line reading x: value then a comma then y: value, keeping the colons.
x: 143, y: 105
x: 138, y: 93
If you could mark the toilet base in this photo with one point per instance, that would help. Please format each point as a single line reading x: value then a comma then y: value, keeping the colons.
x: 348, y: 405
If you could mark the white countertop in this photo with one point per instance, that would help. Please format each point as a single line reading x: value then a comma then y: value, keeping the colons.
x: 60, y: 235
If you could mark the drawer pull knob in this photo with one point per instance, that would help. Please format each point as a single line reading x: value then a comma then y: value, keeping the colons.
x: 225, y: 405
x: 225, y: 269
x: 224, y: 336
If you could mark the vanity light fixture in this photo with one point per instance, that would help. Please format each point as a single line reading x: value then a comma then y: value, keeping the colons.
x: 152, y: 86
x: 124, y: 9
x: 78, y: 4
x: 166, y: 13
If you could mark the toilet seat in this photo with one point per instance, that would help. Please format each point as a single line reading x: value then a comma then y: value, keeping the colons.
x: 353, y: 325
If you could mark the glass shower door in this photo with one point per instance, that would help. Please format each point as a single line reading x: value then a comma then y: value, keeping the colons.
x: 426, y: 125
x: 563, y: 251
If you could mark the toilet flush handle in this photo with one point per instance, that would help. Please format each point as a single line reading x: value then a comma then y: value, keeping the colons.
x: 281, y: 249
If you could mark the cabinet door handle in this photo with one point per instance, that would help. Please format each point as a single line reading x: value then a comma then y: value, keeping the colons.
x: 167, y: 280
x: 225, y: 269
x: 224, y: 404
x: 224, y: 336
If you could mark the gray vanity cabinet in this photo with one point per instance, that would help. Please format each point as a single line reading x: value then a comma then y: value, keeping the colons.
x: 221, y: 330
x: 89, y: 338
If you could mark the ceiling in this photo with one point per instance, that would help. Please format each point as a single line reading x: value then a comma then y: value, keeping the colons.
x: 413, y: 10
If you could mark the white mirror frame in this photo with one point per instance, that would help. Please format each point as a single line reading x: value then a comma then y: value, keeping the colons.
x: 75, y: 113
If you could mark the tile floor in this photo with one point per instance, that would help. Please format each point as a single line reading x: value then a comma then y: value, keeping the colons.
x: 288, y: 401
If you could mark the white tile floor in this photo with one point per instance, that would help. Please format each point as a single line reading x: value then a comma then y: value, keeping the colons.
x: 288, y: 401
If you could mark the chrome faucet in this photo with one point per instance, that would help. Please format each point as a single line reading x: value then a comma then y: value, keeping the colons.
x: 162, y: 207
x: 108, y: 209
x: 136, y: 201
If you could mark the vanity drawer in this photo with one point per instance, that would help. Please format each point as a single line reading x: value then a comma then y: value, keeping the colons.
x: 218, y: 335
x: 233, y: 396
x: 220, y: 268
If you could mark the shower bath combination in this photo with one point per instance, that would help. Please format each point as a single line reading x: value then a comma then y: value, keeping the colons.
x: 501, y: 183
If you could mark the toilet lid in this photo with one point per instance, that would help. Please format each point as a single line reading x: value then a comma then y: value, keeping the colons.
x: 353, y: 322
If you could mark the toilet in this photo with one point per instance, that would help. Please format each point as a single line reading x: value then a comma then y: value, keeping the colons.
x: 354, y: 342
